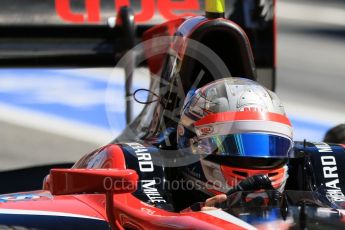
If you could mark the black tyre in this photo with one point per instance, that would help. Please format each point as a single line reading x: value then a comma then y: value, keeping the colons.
x: 336, y: 135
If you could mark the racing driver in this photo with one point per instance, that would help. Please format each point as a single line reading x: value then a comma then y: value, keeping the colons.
x: 239, y: 129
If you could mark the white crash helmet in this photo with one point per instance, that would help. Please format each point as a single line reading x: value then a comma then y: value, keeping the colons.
x: 241, y: 123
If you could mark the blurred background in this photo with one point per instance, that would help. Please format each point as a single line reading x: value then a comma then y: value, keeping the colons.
x: 58, y: 115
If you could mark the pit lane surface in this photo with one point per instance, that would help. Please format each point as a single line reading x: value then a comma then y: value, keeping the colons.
x: 311, y: 70
x: 311, y: 79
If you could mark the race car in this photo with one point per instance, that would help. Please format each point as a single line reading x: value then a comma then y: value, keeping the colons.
x: 108, y: 189
x: 123, y: 185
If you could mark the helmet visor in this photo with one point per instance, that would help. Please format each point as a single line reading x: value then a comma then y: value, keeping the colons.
x: 246, y: 144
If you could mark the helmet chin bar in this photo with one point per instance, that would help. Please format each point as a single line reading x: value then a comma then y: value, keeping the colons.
x: 252, y: 183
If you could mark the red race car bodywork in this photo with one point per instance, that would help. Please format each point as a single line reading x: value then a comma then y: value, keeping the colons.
x: 115, y: 208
